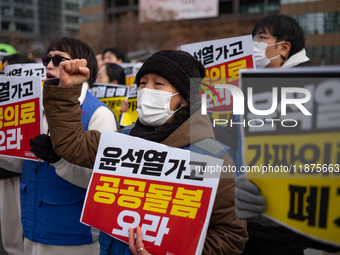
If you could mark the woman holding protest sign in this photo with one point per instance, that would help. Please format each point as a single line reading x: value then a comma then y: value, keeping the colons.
x: 52, y: 195
x: 164, y: 106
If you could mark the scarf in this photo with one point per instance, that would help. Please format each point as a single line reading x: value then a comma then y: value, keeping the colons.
x: 158, y: 135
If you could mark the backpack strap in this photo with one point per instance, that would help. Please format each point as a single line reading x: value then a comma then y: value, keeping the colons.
x: 126, y: 130
x: 210, y: 147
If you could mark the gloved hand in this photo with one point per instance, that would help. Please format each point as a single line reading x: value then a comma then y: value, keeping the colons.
x: 42, y: 148
x: 249, y: 202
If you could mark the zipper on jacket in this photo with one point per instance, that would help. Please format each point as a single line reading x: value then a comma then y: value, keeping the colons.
x: 35, y: 199
x: 36, y: 167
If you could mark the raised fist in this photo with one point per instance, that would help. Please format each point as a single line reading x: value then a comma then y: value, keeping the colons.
x: 73, y: 72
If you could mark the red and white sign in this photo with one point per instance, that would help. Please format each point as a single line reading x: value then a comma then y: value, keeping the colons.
x: 160, y: 189
x: 20, y: 115
x: 222, y: 60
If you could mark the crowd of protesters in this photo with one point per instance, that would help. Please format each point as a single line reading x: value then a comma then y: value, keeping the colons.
x: 49, y: 194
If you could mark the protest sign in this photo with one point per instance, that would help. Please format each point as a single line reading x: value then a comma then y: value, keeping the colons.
x: 153, y: 10
x: 158, y: 189
x: 29, y: 69
x: 112, y: 95
x: 129, y: 117
x: 130, y: 70
x: 20, y: 115
x: 291, y: 139
x: 222, y: 59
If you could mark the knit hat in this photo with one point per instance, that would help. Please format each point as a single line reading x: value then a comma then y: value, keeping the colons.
x: 175, y: 66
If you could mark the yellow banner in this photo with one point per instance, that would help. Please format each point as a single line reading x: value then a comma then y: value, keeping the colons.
x: 310, y: 155
x: 310, y: 206
x: 221, y: 115
x: 115, y: 103
x: 299, y: 177
x: 129, y: 80
x: 131, y: 115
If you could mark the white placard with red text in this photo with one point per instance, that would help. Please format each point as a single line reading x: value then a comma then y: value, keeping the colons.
x: 138, y: 182
x: 222, y: 60
x: 20, y: 115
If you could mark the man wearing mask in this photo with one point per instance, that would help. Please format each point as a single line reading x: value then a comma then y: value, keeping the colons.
x: 278, y: 43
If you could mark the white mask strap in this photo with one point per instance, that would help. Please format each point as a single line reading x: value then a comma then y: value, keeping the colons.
x: 274, y: 57
x: 276, y: 43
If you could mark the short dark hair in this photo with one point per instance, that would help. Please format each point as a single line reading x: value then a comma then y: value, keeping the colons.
x: 78, y: 50
x: 16, y: 59
x: 284, y: 28
x: 119, y: 54
x: 115, y: 72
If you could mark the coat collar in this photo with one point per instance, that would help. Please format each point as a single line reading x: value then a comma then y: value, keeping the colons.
x: 296, y: 59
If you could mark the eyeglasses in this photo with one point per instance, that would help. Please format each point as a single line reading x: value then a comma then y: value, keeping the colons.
x: 257, y: 38
x: 56, y: 60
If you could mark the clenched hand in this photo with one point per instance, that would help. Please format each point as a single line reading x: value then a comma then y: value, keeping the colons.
x: 73, y: 72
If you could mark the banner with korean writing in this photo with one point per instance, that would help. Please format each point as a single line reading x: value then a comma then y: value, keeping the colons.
x: 131, y: 116
x: 158, y: 189
x: 112, y: 95
x: 165, y: 10
x: 20, y: 115
x: 291, y: 141
x: 130, y: 70
x: 222, y: 60
x: 29, y: 69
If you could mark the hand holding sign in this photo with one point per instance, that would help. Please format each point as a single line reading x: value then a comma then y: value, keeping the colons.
x: 73, y: 72
x: 249, y: 202
x: 124, y: 107
x: 138, y: 247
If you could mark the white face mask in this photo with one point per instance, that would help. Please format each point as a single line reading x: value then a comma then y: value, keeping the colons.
x: 153, y: 106
x: 261, y: 60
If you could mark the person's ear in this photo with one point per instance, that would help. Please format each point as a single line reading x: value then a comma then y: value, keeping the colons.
x: 114, y: 82
x: 285, y: 48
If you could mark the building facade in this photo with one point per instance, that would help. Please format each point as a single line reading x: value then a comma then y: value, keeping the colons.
x: 91, y: 24
x: 235, y: 18
x: 29, y: 25
x: 320, y: 20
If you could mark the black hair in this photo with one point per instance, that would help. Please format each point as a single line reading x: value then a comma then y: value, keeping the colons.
x: 119, y: 54
x: 285, y: 28
x: 77, y: 50
x: 16, y: 59
x: 115, y: 72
